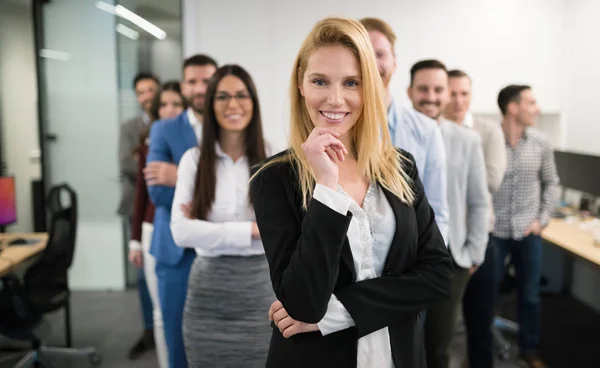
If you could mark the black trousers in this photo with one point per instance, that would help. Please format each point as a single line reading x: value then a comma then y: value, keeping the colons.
x: 478, y: 312
x: 441, y: 320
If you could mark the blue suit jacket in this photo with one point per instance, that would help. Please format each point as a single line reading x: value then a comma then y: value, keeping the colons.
x: 169, y: 139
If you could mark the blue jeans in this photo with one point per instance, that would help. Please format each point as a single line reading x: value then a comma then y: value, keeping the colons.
x: 526, y: 254
x: 145, y: 301
x: 172, y: 291
x: 144, y: 294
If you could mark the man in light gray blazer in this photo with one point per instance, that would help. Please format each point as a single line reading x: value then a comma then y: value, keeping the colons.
x: 146, y: 86
x: 467, y: 203
x: 479, y: 297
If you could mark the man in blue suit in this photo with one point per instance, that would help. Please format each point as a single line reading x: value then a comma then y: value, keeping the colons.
x: 169, y: 139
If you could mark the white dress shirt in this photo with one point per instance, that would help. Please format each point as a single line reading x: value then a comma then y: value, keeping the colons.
x: 195, y: 123
x: 370, y: 235
x: 228, y: 229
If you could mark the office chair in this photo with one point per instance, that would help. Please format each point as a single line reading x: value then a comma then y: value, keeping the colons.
x: 45, y: 286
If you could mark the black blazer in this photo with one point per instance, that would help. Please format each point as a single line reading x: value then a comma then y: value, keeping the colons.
x: 310, y: 258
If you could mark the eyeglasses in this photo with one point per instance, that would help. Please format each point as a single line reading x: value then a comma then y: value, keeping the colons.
x: 223, y: 99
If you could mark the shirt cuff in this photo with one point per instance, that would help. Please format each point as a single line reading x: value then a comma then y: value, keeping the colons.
x: 238, y: 234
x: 135, y: 245
x: 336, y: 318
x: 332, y: 199
x: 544, y: 219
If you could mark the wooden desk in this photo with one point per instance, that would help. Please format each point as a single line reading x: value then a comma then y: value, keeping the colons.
x: 14, y: 255
x: 568, y: 236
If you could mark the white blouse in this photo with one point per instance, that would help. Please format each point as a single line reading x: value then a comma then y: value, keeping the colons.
x: 370, y: 235
x: 228, y: 229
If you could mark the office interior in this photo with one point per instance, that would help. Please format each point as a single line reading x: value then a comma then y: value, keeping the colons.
x: 66, y: 71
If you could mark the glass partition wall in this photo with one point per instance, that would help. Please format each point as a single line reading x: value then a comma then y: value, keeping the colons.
x: 88, y: 54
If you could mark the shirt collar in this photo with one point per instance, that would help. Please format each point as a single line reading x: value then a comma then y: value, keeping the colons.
x: 392, y: 114
x: 222, y: 154
x: 468, y: 121
x: 146, y: 118
x: 192, y: 118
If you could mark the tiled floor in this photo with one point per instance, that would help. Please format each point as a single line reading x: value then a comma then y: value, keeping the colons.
x: 110, y: 322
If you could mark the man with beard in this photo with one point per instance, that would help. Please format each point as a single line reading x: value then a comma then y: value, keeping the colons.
x: 409, y: 129
x: 145, y: 86
x: 169, y: 140
x: 467, y: 200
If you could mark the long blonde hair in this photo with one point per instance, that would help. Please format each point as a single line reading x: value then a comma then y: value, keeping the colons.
x: 377, y: 159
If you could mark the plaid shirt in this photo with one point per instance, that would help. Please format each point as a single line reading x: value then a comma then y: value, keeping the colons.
x: 528, y: 190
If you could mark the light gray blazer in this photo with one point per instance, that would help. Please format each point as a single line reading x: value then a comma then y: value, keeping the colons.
x: 129, y: 138
x: 467, y: 194
x: 494, y: 152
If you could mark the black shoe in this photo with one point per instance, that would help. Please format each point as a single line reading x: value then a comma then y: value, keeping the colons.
x: 530, y: 361
x: 145, y: 343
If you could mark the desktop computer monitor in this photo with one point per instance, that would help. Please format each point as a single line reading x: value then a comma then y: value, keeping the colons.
x: 8, y: 201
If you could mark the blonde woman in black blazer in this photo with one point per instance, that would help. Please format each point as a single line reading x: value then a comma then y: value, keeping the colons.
x: 353, y: 249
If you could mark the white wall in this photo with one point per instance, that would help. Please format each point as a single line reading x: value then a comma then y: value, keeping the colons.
x: 582, y: 76
x: 548, y: 44
x: 498, y: 43
x: 18, y: 101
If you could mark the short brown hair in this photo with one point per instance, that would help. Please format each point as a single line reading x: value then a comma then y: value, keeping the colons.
x: 457, y: 73
x: 508, y: 94
x: 376, y: 24
x: 426, y: 64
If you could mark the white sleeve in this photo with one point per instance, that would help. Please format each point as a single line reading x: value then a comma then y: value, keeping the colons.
x: 135, y: 245
x: 332, y: 199
x: 336, y: 318
x: 193, y: 233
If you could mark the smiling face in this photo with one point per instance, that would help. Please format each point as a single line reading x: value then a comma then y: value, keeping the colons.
x: 332, y: 88
x: 525, y: 108
x: 429, y: 91
x: 171, y: 105
x: 460, y: 99
x: 233, y: 104
x: 384, y: 54
x: 145, y: 90
x: 195, y: 81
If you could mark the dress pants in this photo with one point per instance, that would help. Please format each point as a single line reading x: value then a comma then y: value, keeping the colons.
x: 152, y: 282
x: 144, y: 295
x: 478, y: 311
x: 441, y: 320
x: 172, y: 291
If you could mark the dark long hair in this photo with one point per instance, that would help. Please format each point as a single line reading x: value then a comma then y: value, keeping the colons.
x: 168, y: 86
x: 206, y: 176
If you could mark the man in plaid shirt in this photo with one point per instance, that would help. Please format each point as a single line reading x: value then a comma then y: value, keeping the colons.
x: 522, y: 206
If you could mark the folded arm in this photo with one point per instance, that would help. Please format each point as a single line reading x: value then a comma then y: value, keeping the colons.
x: 159, y: 151
x: 379, y: 302
x: 303, y: 253
x: 194, y: 233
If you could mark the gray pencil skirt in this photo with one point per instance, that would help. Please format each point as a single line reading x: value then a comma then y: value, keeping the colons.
x: 225, y: 321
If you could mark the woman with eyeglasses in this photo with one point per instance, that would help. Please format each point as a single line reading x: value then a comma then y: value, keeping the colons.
x: 229, y: 288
